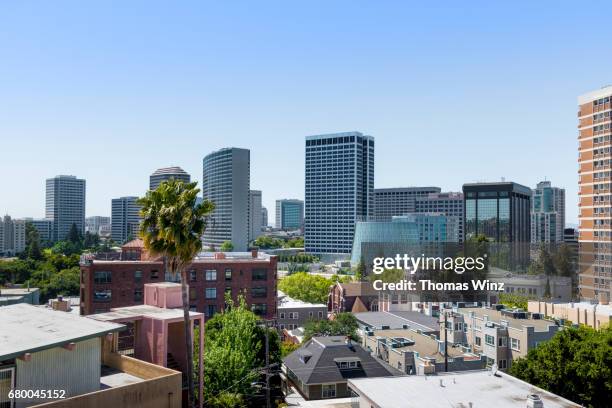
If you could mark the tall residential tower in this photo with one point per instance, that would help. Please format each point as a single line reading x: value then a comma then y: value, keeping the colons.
x: 339, y: 190
x: 125, y: 219
x: 167, y: 173
x: 595, y: 193
x: 547, y: 213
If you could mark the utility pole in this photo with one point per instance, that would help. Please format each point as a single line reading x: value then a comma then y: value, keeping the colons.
x: 445, y: 342
x: 267, y: 366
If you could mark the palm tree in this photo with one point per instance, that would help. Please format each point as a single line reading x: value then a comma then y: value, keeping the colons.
x: 172, y: 226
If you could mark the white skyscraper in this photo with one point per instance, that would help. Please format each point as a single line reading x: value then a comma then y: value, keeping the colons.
x: 255, y: 214
x: 226, y: 182
x: 65, y: 205
x: 339, y: 190
x: 125, y: 219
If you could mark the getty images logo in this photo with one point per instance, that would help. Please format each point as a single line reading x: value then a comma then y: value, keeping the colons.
x: 458, y: 264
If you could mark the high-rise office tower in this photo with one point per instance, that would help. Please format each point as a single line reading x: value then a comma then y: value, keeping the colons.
x: 547, y: 213
x: 65, y: 205
x: 167, y: 173
x: 95, y: 224
x: 339, y: 190
x: 595, y: 193
x: 289, y: 214
x: 255, y: 214
x: 390, y: 202
x: 226, y: 182
x: 44, y: 227
x: 264, y: 217
x: 125, y: 219
x: 499, y: 211
x: 12, y: 236
x: 449, y: 204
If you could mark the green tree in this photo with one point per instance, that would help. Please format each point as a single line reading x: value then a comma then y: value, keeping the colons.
x: 234, y: 352
x: 388, y: 276
x: 513, y: 301
x: 345, y: 324
x: 295, y: 243
x: 564, y: 260
x: 575, y: 364
x: 306, y: 287
x: 172, y: 226
x: 74, y: 235
x: 360, y: 270
x: 266, y: 242
x: 32, y: 250
x: 288, y: 347
x: 227, y: 246
x: 65, y: 282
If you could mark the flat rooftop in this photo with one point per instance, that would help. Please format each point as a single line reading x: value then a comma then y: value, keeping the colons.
x: 26, y: 328
x: 423, y: 344
x: 17, y: 291
x: 496, y: 317
x: 286, y: 302
x: 397, y: 320
x: 140, y: 311
x: 480, y: 388
x: 111, y: 378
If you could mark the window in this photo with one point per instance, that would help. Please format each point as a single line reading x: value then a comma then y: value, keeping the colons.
x: 211, y: 275
x: 259, y: 292
x: 210, y: 310
x: 502, y: 364
x: 102, y: 295
x: 282, y: 315
x: 154, y: 274
x: 138, y: 276
x: 310, y: 314
x: 515, y: 344
x: 478, y: 341
x: 211, y: 293
x: 193, y: 275
x: 193, y: 295
x: 294, y: 315
x: 320, y: 315
x: 501, y: 341
x: 228, y: 274
x: 328, y: 391
x: 102, y: 277
x: 489, y: 340
x: 260, y: 309
x: 138, y: 295
x: 259, y: 274
x: 228, y: 290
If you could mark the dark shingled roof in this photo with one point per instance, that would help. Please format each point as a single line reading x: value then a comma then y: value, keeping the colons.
x: 321, y: 366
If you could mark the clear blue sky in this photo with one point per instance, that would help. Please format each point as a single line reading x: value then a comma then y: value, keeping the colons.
x: 452, y: 92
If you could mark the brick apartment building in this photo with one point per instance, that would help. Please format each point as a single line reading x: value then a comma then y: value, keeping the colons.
x: 118, y: 280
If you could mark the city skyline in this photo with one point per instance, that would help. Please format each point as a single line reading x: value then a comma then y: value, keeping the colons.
x: 128, y: 102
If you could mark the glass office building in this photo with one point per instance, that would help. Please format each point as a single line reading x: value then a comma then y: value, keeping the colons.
x: 65, y: 205
x: 339, y: 190
x: 125, y: 219
x: 547, y: 213
x: 289, y: 214
x: 499, y: 211
x: 390, y: 202
x: 168, y: 173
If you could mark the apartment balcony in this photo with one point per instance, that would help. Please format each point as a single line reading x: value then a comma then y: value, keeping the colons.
x: 126, y: 382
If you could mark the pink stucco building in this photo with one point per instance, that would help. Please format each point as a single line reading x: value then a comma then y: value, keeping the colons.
x: 155, y: 330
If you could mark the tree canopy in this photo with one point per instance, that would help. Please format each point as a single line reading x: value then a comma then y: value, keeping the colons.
x: 575, y: 364
x: 306, y: 287
x: 344, y: 324
x: 234, y: 354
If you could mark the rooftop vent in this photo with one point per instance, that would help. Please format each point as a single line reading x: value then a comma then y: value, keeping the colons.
x: 534, y: 401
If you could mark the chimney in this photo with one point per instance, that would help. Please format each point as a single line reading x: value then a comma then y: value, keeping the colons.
x: 60, y: 304
x: 534, y: 401
x: 219, y: 255
x: 254, y: 253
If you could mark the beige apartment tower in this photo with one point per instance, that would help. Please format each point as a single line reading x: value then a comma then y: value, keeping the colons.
x: 595, y: 193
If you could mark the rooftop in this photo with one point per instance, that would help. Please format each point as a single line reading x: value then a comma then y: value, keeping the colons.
x: 17, y: 291
x: 169, y: 170
x: 423, y: 344
x: 286, y: 302
x: 480, y: 388
x: 599, y: 93
x: 27, y: 328
x: 397, y: 320
x: 497, y: 316
x: 137, y: 312
x: 316, y: 361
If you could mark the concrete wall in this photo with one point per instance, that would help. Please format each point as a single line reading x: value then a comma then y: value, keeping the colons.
x: 161, y: 388
x: 77, y: 371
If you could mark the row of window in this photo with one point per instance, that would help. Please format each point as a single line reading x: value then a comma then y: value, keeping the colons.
x: 258, y: 274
